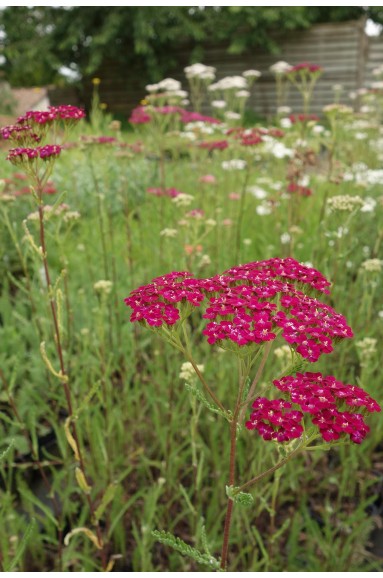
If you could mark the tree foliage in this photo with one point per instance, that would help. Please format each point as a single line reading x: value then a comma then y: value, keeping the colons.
x: 37, y: 41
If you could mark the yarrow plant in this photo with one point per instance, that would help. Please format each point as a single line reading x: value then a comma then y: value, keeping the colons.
x: 304, y: 77
x: 38, y: 162
x: 247, y: 308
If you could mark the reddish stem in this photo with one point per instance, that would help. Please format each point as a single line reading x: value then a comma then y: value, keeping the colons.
x: 59, y: 350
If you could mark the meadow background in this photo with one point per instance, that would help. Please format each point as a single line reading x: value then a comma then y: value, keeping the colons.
x: 126, y: 205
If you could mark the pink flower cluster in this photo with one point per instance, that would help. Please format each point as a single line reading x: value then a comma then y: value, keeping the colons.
x: 299, y: 190
x: 214, y: 145
x: 187, y: 117
x: 23, y: 132
x: 273, y: 422
x: 141, y: 115
x: 49, y: 151
x: 63, y: 112
x: 99, y: 140
x: 19, y: 133
x: 160, y: 192
x: 21, y: 154
x: 153, y: 303
x: 250, y: 304
x: 306, y: 67
x: 296, y: 118
x: 323, y: 397
x: 254, y: 136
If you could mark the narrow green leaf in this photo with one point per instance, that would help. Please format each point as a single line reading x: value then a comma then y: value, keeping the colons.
x: 108, y: 496
x: 6, y: 451
x: 30, y: 497
x: 21, y: 546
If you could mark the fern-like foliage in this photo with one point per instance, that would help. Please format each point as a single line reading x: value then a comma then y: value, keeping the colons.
x: 185, y: 549
x: 202, y: 399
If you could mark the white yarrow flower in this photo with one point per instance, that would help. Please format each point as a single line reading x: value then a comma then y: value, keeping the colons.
x: 234, y: 165
x: 251, y: 74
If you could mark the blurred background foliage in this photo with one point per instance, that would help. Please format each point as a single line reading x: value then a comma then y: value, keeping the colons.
x: 37, y: 42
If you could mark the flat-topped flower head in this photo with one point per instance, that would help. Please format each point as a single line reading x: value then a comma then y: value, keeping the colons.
x: 251, y: 304
x: 306, y: 68
x: 273, y: 422
x: 336, y: 408
x: 155, y: 304
x: 49, y: 151
x: 214, y: 145
x: 280, y: 68
x: 63, y: 112
x: 251, y: 73
x: 200, y: 71
x: 20, y: 134
x: 139, y: 115
x: 21, y: 155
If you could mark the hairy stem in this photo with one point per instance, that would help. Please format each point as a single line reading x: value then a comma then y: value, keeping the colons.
x: 58, y: 341
x: 243, y: 372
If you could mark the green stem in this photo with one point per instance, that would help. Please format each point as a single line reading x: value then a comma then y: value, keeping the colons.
x: 240, y: 216
x: 58, y: 343
x: 256, y: 379
x: 243, y: 372
x: 276, y: 467
x: 188, y: 354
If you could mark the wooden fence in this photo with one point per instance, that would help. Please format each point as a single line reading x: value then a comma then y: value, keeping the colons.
x: 344, y: 51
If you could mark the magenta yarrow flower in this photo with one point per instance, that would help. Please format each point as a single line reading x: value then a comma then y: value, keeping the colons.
x: 251, y: 304
x: 325, y: 398
x: 299, y: 190
x: 170, y: 192
x: 303, y: 118
x: 187, y: 117
x: 306, y: 67
x: 214, y: 145
x: 20, y: 134
x: 22, y: 154
x: 141, y: 115
x: 49, y: 151
x: 63, y: 112
x: 273, y: 422
x: 195, y: 214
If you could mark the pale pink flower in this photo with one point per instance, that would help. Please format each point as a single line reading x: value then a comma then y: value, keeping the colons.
x: 210, y: 179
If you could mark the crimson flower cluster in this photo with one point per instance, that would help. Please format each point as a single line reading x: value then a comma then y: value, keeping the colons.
x: 306, y: 67
x: 214, y: 145
x: 248, y: 305
x: 65, y: 112
x: 254, y: 136
x: 99, y: 140
x: 324, y: 398
x: 21, y: 154
x: 141, y: 115
x: 301, y: 118
x: 19, y: 133
x: 31, y: 129
x: 299, y: 190
x: 161, y: 192
x: 273, y: 422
